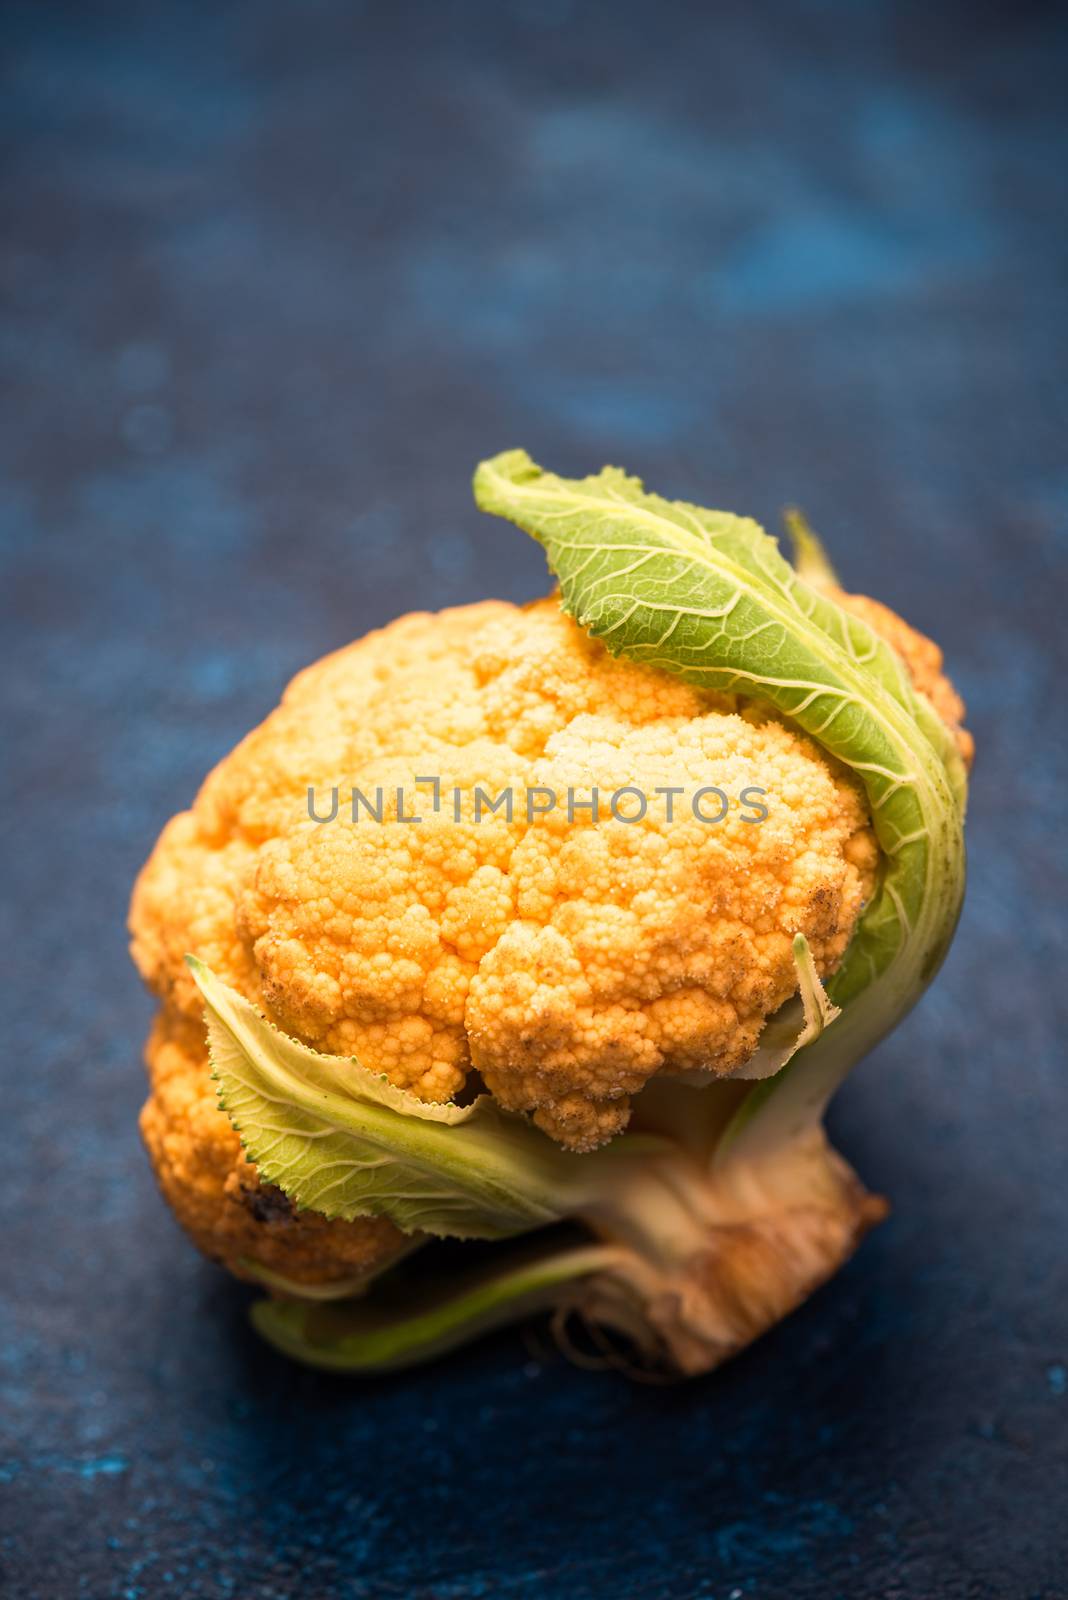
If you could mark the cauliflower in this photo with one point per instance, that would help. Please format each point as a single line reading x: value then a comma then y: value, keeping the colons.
x: 559, y: 952
x: 566, y: 962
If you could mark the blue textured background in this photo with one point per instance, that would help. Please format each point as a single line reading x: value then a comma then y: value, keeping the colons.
x: 275, y: 277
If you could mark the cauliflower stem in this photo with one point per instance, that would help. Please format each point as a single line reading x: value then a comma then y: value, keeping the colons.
x: 722, y: 1206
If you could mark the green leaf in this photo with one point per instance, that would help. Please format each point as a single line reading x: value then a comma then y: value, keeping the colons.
x: 796, y: 1024
x: 344, y: 1142
x: 811, y: 560
x: 408, y: 1320
x: 707, y: 596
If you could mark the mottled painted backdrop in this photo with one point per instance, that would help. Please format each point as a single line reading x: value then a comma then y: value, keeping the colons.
x: 275, y: 277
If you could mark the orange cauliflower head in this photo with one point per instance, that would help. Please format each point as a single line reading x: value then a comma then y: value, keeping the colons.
x: 564, y: 961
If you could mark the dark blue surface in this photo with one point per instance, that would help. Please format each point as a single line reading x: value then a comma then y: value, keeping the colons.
x: 275, y: 278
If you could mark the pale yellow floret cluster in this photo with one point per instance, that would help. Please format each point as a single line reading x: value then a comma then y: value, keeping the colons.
x: 566, y: 963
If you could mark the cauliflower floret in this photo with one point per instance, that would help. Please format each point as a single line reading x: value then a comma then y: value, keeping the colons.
x: 566, y: 962
x: 661, y: 945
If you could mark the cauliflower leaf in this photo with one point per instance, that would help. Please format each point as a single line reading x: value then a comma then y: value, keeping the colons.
x: 344, y: 1142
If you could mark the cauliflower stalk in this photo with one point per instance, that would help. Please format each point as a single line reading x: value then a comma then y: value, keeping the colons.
x: 642, y: 1001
